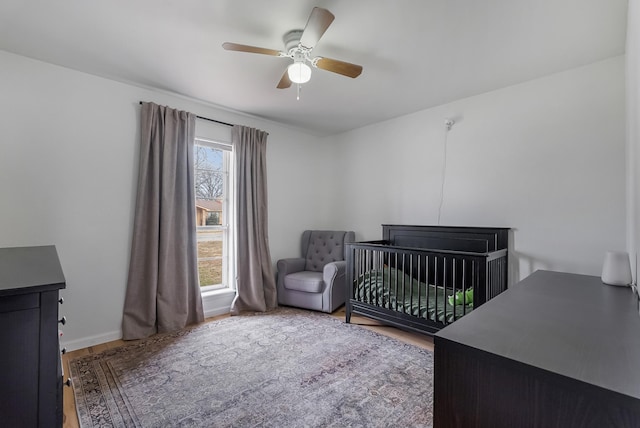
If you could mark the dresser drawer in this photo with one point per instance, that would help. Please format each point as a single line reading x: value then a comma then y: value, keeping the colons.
x: 19, y: 302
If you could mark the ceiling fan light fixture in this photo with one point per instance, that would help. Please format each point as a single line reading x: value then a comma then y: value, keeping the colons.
x: 299, y: 72
x: 298, y: 46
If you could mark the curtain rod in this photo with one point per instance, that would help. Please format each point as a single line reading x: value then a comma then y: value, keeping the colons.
x: 210, y: 120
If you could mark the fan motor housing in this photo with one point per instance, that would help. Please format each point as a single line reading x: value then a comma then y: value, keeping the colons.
x: 292, y: 39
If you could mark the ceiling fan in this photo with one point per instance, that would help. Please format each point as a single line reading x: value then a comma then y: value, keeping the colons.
x: 298, y: 46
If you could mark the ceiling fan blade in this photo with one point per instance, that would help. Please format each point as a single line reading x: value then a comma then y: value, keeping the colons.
x: 340, y: 67
x: 252, y: 49
x: 285, y: 82
x: 318, y: 22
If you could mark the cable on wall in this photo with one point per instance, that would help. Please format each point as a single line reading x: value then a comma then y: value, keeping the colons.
x: 448, y: 123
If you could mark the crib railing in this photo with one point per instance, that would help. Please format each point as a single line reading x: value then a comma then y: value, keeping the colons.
x: 412, y: 287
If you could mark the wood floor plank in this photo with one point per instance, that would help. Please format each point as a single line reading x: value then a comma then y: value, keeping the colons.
x: 70, y: 417
x: 412, y: 338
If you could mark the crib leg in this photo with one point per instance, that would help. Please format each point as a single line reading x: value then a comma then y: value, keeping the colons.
x: 348, y: 313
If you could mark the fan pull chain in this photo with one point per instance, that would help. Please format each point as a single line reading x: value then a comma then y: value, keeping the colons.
x: 298, y: 95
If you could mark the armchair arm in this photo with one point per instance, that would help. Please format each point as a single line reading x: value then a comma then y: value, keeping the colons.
x: 332, y: 271
x: 334, y: 275
x: 287, y: 266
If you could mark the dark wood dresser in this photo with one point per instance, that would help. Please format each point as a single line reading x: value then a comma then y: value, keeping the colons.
x: 555, y: 350
x: 31, y: 392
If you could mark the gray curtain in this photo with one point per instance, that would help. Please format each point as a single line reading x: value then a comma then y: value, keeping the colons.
x: 162, y: 289
x: 256, y: 287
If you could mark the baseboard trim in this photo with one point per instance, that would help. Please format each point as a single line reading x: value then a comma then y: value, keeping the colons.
x: 86, y: 342
x: 213, y: 304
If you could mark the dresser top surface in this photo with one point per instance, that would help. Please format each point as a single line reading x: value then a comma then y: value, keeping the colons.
x: 29, y: 269
x: 567, y: 324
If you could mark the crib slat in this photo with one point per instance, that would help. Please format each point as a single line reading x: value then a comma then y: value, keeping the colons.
x: 427, y: 269
x: 410, y: 309
x: 419, y: 288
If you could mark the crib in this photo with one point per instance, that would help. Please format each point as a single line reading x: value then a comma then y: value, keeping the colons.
x: 422, y: 278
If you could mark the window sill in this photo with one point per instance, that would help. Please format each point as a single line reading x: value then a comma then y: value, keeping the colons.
x: 219, y: 292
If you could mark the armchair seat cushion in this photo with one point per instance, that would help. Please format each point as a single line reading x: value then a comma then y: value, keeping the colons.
x: 307, y: 281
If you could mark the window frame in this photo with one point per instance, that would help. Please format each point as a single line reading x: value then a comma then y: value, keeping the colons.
x: 227, y: 228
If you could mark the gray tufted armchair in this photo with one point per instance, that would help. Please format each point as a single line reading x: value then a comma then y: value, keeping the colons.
x: 316, y: 280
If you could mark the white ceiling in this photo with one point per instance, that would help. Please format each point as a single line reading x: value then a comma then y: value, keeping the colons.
x: 416, y: 54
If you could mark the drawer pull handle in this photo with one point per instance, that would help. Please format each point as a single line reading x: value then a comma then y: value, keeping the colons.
x: 68, y: 382
x: 61, y: 300
x: 63, y: 320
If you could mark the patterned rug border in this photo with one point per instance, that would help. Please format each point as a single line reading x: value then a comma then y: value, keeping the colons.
x: 160, y: 338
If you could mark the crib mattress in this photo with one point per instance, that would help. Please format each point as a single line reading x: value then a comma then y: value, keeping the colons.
x: 393, y: 289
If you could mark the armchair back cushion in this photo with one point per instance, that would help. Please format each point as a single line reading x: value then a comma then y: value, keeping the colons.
x: 320, y: 247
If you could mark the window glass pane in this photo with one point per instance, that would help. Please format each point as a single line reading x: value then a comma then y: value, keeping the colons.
x: 208, y: 173
x: 210, y: 258
x: 211, y: 172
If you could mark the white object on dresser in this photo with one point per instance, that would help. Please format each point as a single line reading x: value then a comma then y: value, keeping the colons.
x: 616, y: 269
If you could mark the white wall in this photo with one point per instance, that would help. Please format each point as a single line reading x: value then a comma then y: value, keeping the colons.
x: 633, y: 133
x: 546, y: 158
x: 68, y: 168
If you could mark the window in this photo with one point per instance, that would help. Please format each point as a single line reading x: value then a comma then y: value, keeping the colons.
x: 214, y: 218
x: 213, y: 194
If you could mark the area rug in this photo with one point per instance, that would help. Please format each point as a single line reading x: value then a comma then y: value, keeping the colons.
x: 285, y: 368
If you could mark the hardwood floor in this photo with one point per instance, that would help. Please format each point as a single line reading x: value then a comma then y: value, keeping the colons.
x: 71, y: 417
x: 416, y: 339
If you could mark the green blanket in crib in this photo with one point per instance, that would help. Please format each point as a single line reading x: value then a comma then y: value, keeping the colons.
x: 393, y: 289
